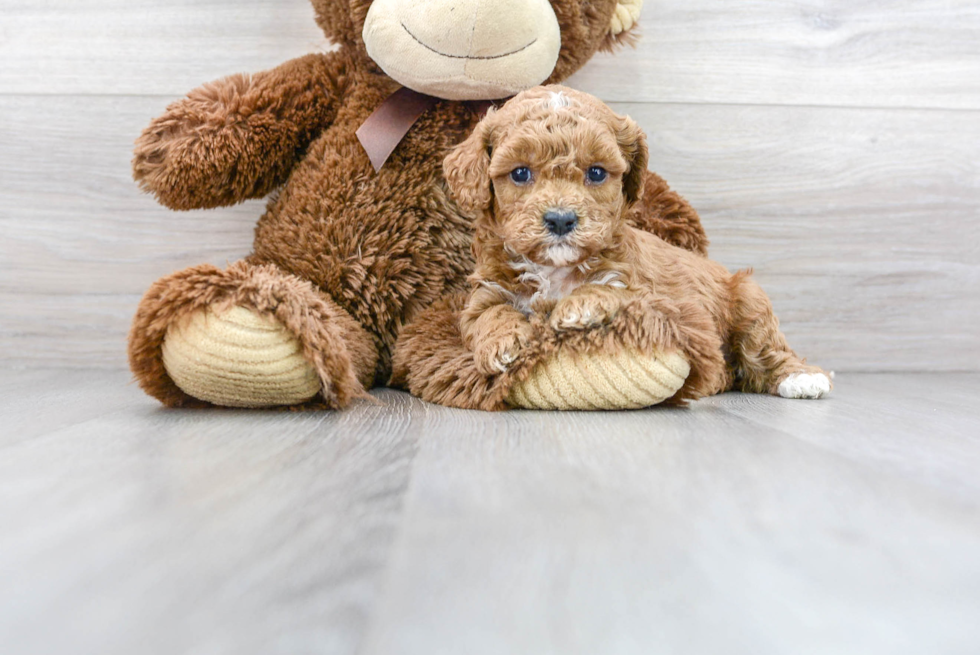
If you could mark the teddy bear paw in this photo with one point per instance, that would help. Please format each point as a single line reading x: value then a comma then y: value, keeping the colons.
x: 238, y: 358
x: 625, y: 379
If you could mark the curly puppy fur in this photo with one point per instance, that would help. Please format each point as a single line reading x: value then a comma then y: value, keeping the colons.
x: 552, y: 176
x: 338, y: 242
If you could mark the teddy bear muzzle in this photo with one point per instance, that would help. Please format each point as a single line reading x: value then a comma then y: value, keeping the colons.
x: 464, y: 49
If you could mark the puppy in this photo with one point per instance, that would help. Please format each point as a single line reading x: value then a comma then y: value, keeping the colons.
x: 550, y: 178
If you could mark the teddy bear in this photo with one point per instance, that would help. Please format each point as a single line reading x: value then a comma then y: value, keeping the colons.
x: 360, y: 236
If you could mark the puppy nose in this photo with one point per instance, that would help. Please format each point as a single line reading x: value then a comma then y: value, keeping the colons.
x: 560, y: 221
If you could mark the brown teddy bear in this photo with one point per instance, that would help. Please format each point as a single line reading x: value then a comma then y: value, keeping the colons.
x: 360, y: 235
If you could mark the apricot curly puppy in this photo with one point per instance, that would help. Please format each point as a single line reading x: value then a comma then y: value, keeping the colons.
x: 551, y: 176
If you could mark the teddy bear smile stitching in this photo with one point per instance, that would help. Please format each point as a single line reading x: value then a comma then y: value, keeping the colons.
x: 443, y: 54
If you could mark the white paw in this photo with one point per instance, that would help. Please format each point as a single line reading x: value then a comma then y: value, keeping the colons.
x: 574, y: 321
x: 503, y: 361
x: 805, y: 385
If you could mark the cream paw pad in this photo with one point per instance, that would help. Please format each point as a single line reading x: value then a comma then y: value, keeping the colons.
x: 598, y: 381
x: 238, y: 358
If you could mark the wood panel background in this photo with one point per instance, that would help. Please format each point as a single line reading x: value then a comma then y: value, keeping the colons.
x: 832, y: 145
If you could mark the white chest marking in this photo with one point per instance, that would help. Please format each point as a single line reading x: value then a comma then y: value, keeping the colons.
x: 555, y: 282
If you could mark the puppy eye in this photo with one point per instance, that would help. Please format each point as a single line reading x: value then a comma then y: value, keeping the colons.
x: 597, y: 174
x: 521, y: 175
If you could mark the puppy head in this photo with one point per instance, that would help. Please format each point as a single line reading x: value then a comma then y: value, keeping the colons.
x: 550, y: 175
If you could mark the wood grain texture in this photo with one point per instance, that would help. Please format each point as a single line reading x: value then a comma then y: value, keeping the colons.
x: 140, y: 47
x: 926, y: 427
x: 133, y: 529
x: 705, y: 531
x: 904, y: 53
x: 901, y: 53
x: 745, y: 524
x: 862, y: 224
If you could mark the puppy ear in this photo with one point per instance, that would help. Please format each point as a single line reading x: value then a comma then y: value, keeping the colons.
x: 633, y: 144
x: 467, y: 170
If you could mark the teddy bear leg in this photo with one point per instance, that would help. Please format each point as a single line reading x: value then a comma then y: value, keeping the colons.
x: 247, y: 336
x: 574, y: 370
x: 764, y: 362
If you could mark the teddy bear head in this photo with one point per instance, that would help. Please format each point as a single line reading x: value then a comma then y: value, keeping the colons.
x: 477, y: 49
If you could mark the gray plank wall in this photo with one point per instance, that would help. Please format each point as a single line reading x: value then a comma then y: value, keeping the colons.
x: 831, y: 144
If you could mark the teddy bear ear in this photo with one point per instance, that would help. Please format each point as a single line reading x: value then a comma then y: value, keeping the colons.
x: 625, y: 17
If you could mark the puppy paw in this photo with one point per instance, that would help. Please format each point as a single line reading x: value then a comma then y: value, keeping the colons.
x: 805, y: 385
x: 583, y: 312
x: 495, y: 355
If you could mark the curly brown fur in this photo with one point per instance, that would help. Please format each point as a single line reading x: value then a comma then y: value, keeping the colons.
x: 665, y: 213
x: 379, y: 247
x: 553, y: 175
x: 239, y: 137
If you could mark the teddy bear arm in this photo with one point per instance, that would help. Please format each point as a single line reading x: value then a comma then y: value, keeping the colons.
x: 668, y: 215
x: 239, y: 137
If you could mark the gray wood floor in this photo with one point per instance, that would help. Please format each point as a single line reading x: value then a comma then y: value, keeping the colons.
x: 741, y: 525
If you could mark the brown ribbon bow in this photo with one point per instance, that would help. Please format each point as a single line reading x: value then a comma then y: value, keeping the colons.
x: 387, y: 126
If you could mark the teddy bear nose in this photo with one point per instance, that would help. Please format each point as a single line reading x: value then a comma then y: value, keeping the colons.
x: 560, y: 221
